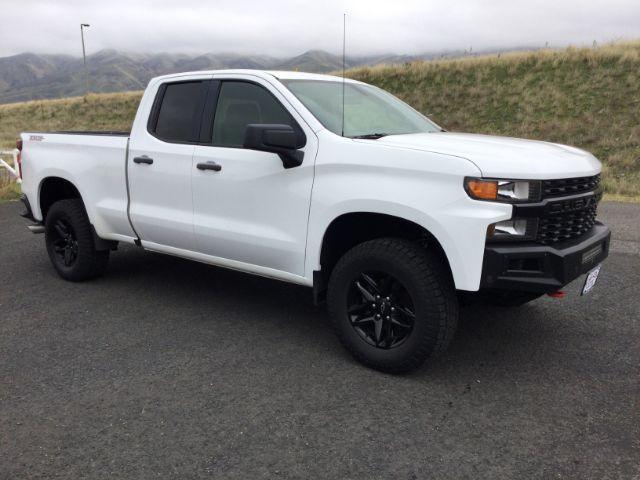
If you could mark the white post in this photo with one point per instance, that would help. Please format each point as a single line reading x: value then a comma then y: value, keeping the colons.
x: 15, y: 170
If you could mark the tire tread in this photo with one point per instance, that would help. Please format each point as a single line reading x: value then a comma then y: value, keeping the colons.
x: 91, y: 262
x: 433, y: 277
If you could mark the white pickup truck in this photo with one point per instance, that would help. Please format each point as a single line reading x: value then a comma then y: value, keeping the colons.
x: 337, y: 186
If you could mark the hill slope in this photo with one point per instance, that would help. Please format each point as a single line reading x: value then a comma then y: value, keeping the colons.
x: 589, y: 98
x: 30, y: 77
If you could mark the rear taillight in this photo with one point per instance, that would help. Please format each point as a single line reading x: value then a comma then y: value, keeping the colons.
x: 19, y: 157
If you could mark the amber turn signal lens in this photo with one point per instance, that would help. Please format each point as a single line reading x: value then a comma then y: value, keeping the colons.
x: 482, y: 189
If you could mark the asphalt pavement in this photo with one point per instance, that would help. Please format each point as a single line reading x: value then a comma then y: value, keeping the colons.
x: 166, y: 368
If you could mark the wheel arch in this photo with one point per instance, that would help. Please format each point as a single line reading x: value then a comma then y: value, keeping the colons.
x: 352, y: 228
x: 53, y: 189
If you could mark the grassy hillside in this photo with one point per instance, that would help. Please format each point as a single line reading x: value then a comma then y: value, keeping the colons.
x: 584, y: 97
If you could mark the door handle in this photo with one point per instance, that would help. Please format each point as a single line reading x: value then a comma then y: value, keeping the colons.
x: 216, y: 167
x: 143, y: 159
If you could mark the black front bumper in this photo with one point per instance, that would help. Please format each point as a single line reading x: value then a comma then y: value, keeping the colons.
x: 531, y: 267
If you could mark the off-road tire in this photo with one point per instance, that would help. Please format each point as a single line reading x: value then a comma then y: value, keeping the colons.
x: 88, y: 262
x: 426, y: 278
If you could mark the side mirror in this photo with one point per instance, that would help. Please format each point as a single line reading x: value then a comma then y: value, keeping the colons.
x: 280, y: 139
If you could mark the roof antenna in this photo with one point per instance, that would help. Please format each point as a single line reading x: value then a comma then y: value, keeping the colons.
x: 344, y: 61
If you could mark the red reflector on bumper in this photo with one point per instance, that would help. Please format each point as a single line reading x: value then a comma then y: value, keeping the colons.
x: 558, y: 294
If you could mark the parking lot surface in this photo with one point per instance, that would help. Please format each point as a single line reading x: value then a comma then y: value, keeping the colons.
x: 166, y: 368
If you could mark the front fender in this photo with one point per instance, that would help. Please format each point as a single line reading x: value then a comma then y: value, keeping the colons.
x: 460, y: 227
x: 422, y: 187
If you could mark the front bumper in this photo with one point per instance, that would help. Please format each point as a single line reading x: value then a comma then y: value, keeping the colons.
x: 532, y: 267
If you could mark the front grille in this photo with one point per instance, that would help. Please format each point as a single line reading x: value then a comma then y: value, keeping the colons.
x: 564, y: 226
x: 569, y: 186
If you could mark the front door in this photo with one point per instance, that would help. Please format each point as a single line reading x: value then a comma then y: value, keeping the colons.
x: 251, y: 210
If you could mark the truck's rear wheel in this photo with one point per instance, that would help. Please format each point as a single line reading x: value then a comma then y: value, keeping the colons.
x: 70, y: 242
x: 393, y: 304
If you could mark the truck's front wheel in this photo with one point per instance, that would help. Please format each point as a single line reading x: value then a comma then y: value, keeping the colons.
x: 393, y: 304
x: 70, y: 242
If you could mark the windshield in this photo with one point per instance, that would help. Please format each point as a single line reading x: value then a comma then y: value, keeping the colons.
x: 368, y: 111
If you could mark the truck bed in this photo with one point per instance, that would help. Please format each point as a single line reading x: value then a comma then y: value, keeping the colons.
x: 95, y: 162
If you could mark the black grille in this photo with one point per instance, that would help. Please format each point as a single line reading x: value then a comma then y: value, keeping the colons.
x: 564, y: 226
x: 569, y: 186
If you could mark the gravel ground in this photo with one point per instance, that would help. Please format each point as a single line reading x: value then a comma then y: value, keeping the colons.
x: 172, y: 369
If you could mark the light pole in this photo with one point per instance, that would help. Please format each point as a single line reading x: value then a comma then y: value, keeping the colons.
x: 84, y: 59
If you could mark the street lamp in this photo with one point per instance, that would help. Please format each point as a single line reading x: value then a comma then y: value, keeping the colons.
x: 84, y: 58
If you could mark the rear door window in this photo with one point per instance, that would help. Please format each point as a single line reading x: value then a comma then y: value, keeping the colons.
x: 179, y: 113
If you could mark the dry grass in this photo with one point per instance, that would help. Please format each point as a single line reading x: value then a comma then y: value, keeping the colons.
x: 110, y: 111
x: 588, y: 97
x: 8, y: 190
x: 612, y: 197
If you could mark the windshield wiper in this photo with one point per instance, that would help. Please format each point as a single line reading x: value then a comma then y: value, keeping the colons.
x: 371, y: 136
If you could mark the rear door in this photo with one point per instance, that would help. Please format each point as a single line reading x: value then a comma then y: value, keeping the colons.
x: 159, y: 165
x: 252, y: 210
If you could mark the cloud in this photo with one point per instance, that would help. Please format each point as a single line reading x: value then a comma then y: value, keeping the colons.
x: 289, y: 27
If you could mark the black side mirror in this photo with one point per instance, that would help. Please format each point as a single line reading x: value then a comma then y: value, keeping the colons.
x: 274, y: 138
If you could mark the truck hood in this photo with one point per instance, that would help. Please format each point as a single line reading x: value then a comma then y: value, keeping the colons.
x: 504, y: 157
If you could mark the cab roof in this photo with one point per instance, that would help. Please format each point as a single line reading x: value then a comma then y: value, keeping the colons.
x: 280, y: 75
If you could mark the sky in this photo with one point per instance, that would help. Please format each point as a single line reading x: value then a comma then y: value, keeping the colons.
x: 289, y: 27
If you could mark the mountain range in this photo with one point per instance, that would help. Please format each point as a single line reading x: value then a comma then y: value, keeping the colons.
x: 29, y: 76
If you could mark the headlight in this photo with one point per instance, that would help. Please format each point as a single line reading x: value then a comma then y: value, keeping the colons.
x: 508, y: 191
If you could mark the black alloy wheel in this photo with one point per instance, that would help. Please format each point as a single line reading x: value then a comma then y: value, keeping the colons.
x: 380, y: 310
x: 393, y: 303
x: 64, y: 242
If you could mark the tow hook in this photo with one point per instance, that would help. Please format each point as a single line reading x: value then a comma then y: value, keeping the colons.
x: 558, y: 294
